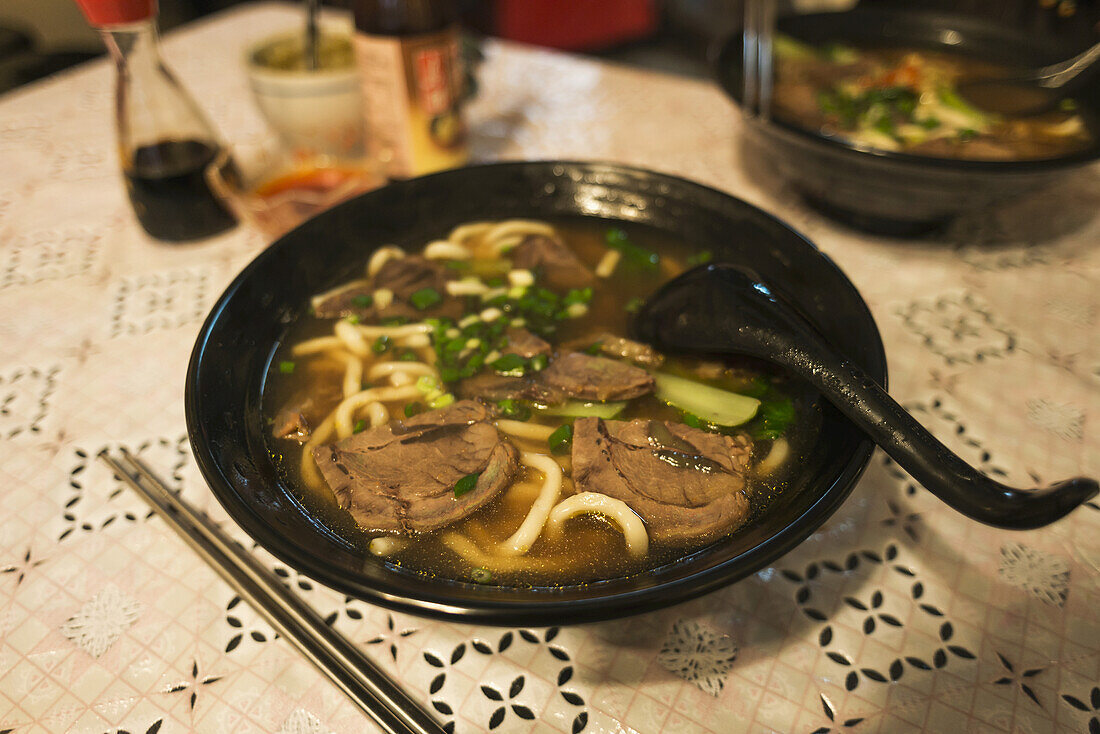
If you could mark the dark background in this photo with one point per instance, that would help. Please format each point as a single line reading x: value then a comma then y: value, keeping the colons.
x: 41, y: 37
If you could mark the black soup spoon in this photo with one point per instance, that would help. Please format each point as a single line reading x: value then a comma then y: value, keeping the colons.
x: 720, y: 308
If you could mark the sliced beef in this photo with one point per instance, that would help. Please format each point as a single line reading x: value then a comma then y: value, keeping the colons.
x: 555, y: 265
x: 401, y: 477
x: 618, y: 347
x: 586, y: 377
x: 407, y: 275
x: 493, y: 387
x: 307, y: 408
x: 525, y: 344
x: 570, y: 375
x: 683, y: 482
x: 403, y: 276
x: 341, y: 301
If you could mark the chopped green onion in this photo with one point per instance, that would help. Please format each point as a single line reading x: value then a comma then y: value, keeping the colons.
x: 448, y: 374
x: 967, y: 133
x: 412, y: 409
x: 363, y: 301
x: 634, y: 305
x: 408, y: 356
x: 561, y: 439
x: 594, y: 348
x: 700, y: 258
x: 426, y: 383
x: 395, y: 321
x: 509, y: 364
x: 425, y: 298
x: 1067, y: 105
x: 481, y: 575
x: 539, y: 362
x: 514, y: 409
x: 617, y: 239
x: 360, y: 426
x: 442, y: 401
x: 577, y: 295
x: 381, y: 344
x: 286, y: 367
x: 353, y: 319
x: 467, y: 483
x: 930, y: 123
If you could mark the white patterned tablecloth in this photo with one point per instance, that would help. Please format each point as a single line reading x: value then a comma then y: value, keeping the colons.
x: 898, y: 615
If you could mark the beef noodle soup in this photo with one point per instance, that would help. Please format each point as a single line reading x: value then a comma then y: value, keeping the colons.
x: 474, y: 411
x: 907, y: 100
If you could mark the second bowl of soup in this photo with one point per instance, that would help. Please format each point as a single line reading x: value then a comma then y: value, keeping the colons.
x: 868, y: 123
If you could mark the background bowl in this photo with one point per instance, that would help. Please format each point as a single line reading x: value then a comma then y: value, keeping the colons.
x: 231, y: 359
x: 890, y: 192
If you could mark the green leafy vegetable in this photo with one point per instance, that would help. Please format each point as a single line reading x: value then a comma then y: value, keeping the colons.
x: 561, y: 439
x: 425, y: 298
x: 617, y: 239
x: 710, y: 404
x: 408, y: 355
x: 881, y: 108
x: 580, y: 409
x: 381, y: 344
x: 414, y: 408
x: 466, y: 484
x: 360, y: 426
x: 363, y: 301
x: 775, y: 417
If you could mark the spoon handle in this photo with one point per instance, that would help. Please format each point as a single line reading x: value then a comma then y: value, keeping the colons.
x: 927, y: 460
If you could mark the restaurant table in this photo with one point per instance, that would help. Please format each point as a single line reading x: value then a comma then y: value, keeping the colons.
x: 897, y: 615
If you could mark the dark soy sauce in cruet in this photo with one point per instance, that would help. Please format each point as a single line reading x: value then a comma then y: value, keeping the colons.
x: 167, y: 184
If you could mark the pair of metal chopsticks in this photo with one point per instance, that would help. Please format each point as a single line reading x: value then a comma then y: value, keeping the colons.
x: 341, y: 661
x: 756, y: 77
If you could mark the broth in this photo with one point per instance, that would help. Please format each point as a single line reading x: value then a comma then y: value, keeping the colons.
x: 906, y: 99
x: 588, y: 547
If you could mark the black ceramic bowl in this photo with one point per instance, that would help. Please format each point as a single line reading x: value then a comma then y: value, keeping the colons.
x: 225, y: 379
x: 897, y: 193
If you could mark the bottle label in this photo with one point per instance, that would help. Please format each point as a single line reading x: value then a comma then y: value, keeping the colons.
x: 412, y: 94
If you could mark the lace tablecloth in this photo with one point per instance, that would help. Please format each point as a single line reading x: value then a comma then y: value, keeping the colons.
x: 897, y: 616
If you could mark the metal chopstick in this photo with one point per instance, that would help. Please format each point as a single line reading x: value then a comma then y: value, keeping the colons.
x: 340, y: 661
x: 756, y: 76
x: 750, y: 76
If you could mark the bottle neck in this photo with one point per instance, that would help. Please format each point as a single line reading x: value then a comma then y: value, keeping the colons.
x: 151, y: 105
x: 134, y: 46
